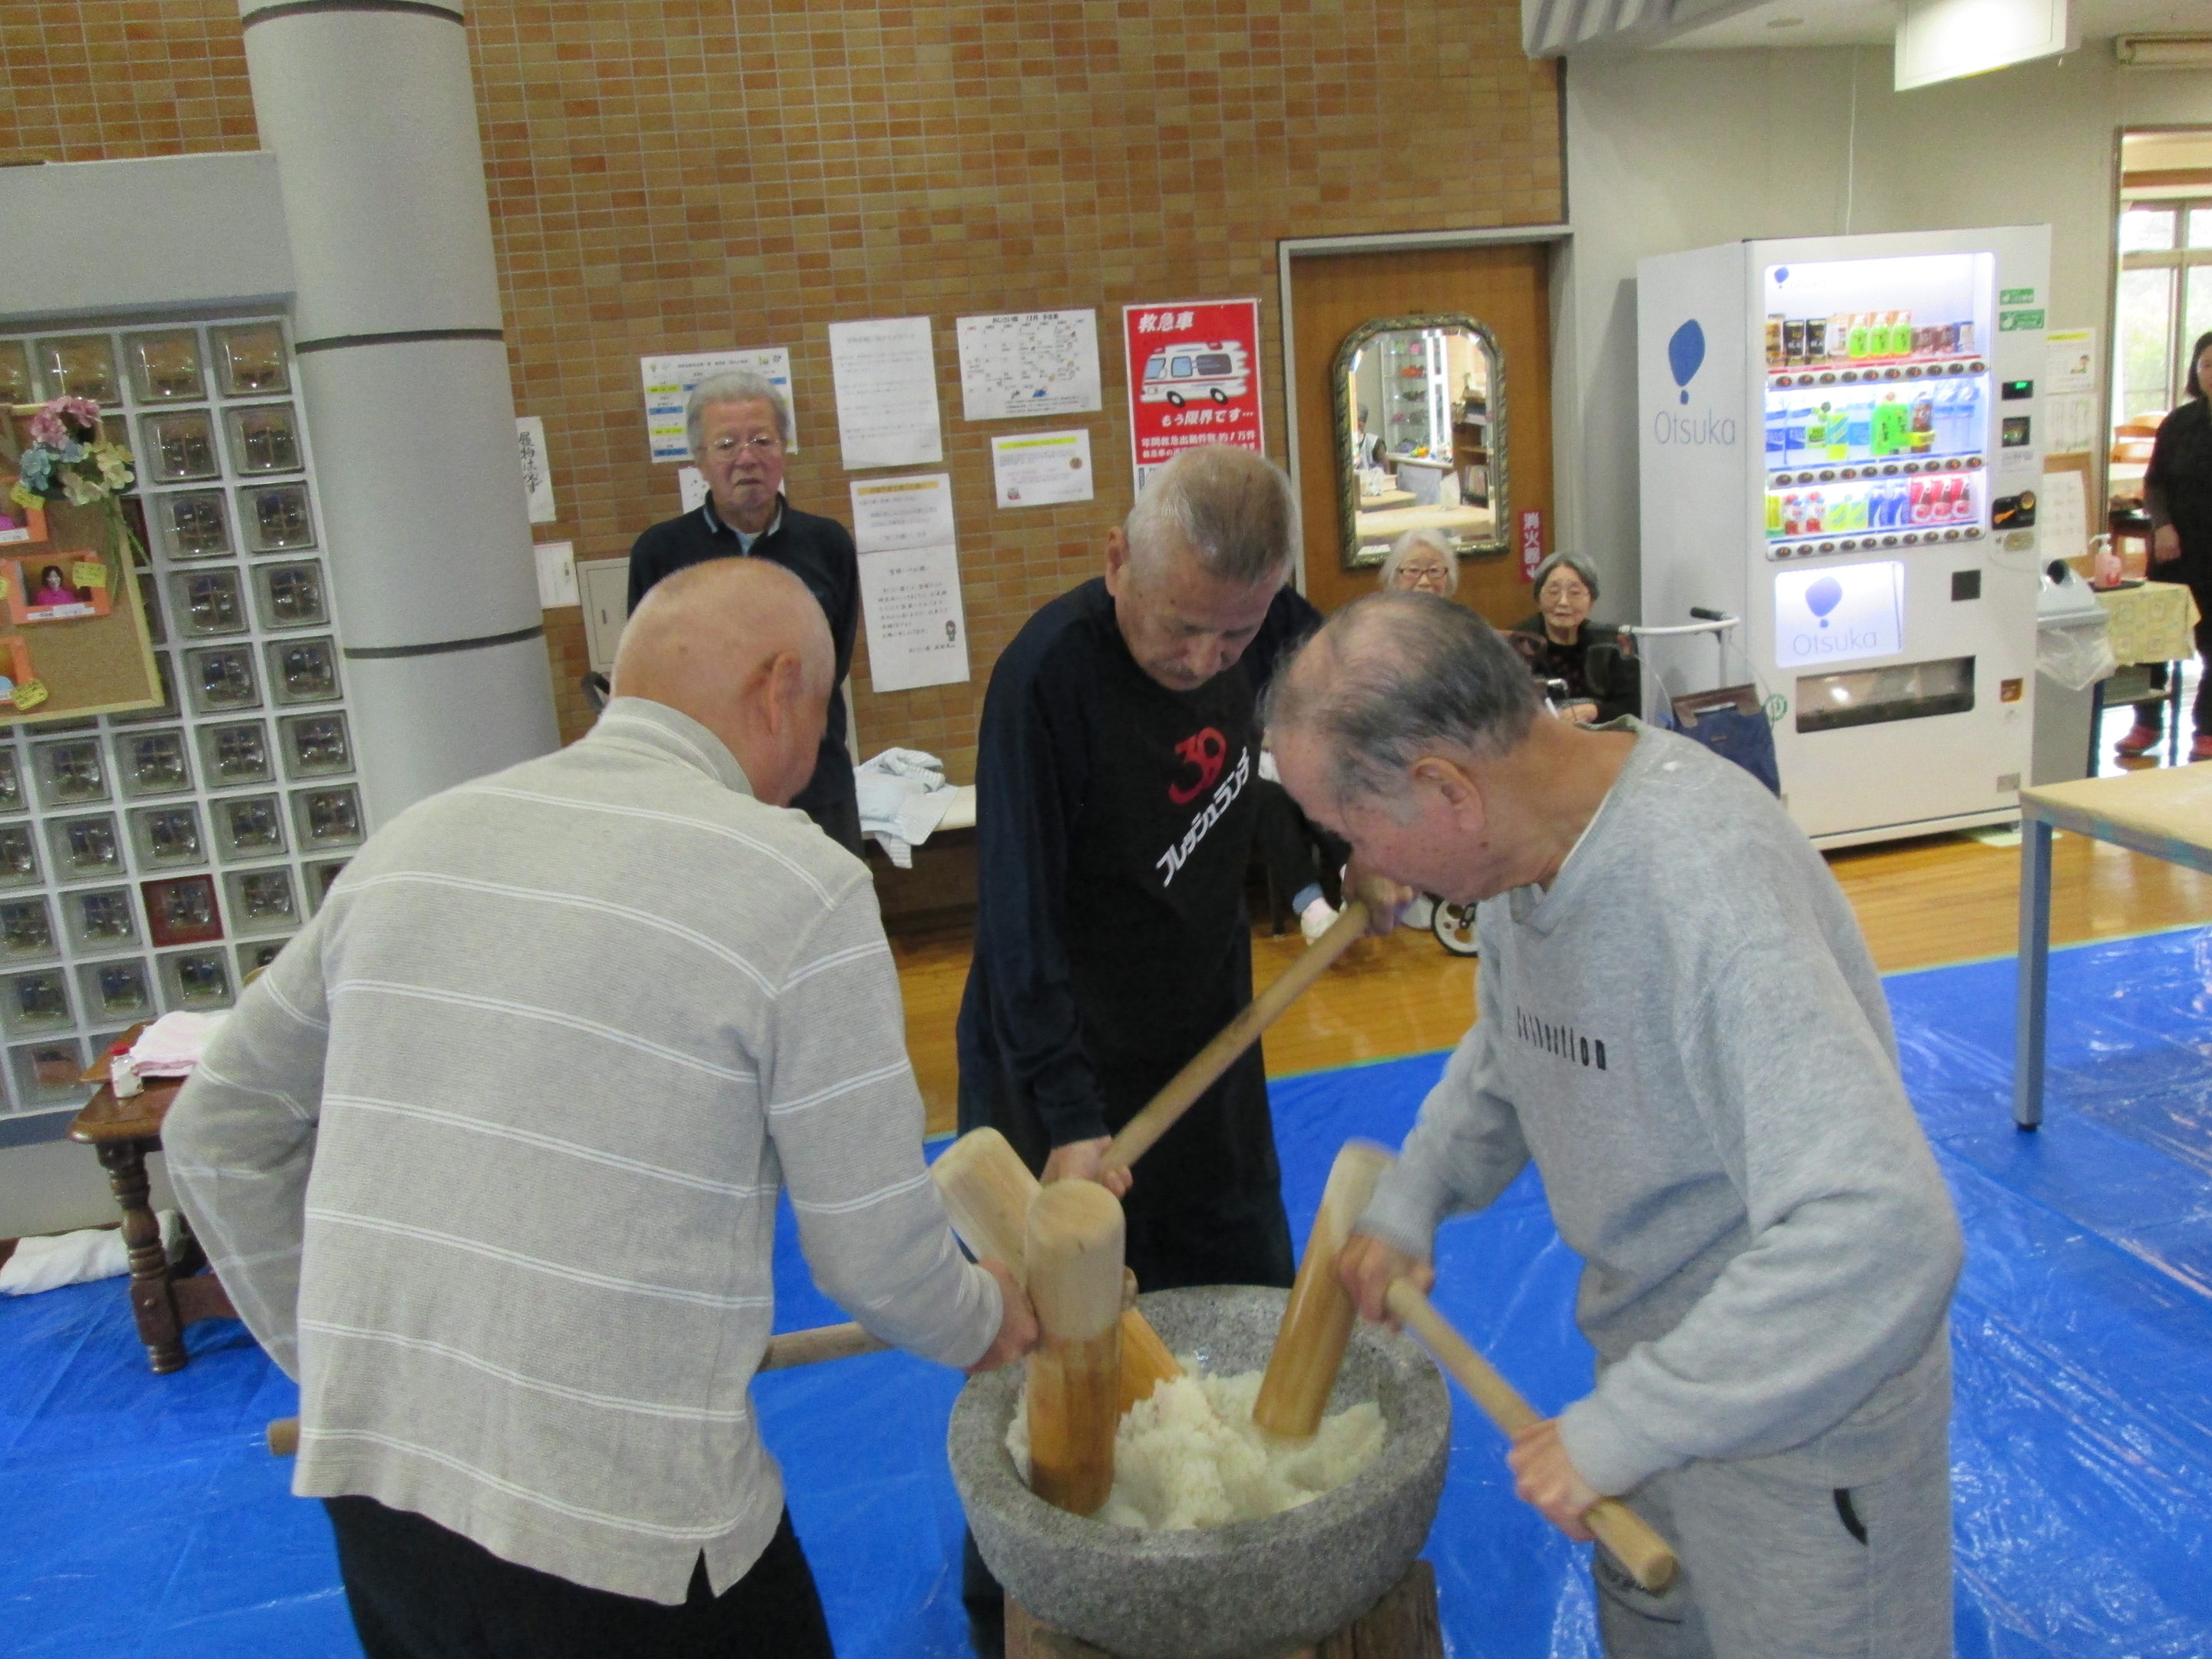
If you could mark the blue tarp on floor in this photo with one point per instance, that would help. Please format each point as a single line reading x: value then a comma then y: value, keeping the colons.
x: 143, y: 1516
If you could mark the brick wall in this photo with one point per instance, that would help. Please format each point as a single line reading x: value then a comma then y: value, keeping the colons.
x: 677, y: 178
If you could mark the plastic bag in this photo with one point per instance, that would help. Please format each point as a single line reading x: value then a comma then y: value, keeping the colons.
x: 2075, y: 655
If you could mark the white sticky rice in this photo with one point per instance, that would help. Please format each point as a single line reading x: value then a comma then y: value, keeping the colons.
x: 1190, y: 1456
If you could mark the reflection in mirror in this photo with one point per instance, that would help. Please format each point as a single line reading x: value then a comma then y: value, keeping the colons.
x: 1420, y: 424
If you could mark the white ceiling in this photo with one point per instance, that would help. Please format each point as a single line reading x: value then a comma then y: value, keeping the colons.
x: 1874, y: 23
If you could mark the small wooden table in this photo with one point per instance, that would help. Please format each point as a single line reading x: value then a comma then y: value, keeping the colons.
x: 165, y: 1296
x: 1403, y: 1624
x: 2167, y: 813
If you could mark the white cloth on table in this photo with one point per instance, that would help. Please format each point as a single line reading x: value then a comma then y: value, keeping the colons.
x: 903, y: 795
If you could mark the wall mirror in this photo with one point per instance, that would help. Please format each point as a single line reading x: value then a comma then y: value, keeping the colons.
x: 1420, y: 434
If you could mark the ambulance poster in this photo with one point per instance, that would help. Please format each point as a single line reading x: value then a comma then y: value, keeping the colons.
x: 1194, y: 379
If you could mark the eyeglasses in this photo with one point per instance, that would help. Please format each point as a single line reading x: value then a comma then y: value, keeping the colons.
x: 764, y: 445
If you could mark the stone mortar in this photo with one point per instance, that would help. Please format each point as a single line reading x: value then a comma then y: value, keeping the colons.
x: 1253, y: 1589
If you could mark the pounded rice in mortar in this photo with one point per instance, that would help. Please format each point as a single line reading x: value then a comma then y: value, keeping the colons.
x: 1190, y: 1456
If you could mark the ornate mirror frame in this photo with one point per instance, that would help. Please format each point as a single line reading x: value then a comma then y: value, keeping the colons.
x: 1347, y: 489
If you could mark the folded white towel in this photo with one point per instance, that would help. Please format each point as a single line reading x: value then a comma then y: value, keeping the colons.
x: 903, y: 795
x: 77, y: 1258
x: 173, y: 1044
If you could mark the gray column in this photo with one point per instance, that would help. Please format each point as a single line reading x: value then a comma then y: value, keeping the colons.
x: 368, y: 108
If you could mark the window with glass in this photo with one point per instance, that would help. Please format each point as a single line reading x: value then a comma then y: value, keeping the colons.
x: 2162, y: 301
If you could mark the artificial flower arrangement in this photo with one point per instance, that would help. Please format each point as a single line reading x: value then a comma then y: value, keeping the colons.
x: 69, y: 460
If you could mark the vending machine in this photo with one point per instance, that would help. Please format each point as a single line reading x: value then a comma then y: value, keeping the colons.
x: 1841, y: 445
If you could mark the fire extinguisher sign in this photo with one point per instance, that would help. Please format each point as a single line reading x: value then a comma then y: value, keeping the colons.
x: 1194, y: 379
x: 1532, y: 543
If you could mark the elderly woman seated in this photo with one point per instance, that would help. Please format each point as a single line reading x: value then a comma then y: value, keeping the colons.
x: 1422, y: 562
x: 1593, y: 660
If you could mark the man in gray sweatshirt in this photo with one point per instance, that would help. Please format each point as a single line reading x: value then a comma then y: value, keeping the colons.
x: 1679, y: 1023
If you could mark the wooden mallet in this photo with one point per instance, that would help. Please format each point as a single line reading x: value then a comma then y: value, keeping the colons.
x: 1317, y: 1321
x: 1074, y: 1248
x: 1158, y: 1115
x: 806, y: 1347
x: 1643, y: 1552
x: 988, y: 1191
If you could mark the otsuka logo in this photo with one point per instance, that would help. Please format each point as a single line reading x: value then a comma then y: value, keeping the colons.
x: 1206, y: 750
x: 1686, y: 355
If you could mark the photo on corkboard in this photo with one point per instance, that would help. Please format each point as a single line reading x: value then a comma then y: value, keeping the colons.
x: 67, y: 587
x: 18, y: 523
x: 15, y: 670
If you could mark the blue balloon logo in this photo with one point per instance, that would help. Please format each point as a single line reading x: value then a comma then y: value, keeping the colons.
x: 1686, y: 354
x: 1823, y: 596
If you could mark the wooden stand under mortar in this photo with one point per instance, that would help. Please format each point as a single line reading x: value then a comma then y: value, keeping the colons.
x: 1403, y: 1624
x: 1074, y: 1255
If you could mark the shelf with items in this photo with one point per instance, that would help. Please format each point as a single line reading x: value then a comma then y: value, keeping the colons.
x: 1875, y: 513
x: 1889, y: 467
x: 1867, y: 374
x: 150, y: 860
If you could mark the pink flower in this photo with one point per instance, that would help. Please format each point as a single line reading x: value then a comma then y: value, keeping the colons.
x: 46, y: 428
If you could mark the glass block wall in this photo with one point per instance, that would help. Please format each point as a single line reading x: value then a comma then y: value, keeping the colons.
x: 149, y: 860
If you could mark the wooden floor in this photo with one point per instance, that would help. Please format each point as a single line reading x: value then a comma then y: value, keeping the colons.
x: 1922, y: 902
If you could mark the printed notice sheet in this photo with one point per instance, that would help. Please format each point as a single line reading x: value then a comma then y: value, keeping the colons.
x: 911, y: 581
x: 1029, y: 363
x: 669, y: 380
x: 691, y: 487
x: 886, y: 380
x: 1039, y: 468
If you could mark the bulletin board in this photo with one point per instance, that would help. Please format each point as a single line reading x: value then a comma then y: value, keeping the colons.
x: 70, y: 618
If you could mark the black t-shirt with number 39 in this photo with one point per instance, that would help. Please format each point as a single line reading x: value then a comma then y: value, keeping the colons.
x: 1113, y: 825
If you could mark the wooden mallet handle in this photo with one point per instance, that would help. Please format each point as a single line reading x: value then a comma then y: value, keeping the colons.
x: 1160, y: 1114
x: 1643, y: 1552
x: 792, y: 1348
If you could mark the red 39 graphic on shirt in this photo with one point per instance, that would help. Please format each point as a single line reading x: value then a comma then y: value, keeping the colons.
x: 1204, y: 751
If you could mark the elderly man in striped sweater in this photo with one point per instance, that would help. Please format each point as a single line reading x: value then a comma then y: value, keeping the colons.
x: 488, y: 1161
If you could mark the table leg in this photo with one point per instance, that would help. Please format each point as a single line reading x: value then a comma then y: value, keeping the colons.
x: 2096, y: 724
x: 2034, y: 971
x: 151, y: 1301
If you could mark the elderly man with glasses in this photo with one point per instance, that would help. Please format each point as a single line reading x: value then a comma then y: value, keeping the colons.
x: 740, y: 427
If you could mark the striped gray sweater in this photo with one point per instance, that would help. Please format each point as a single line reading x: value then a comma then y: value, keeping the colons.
x: 489, y: 1158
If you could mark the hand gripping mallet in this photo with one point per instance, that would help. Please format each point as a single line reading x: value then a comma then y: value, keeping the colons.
x: 1643, y: 1552
x: 792, y: 1348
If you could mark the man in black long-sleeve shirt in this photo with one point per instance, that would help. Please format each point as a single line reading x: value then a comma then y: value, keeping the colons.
x: 739, y: 428
x: 1115, y: 819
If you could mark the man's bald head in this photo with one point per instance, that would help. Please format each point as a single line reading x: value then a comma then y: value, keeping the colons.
x: 741, y: 647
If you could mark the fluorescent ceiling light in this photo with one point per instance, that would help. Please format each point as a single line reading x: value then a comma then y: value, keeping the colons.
x: 2164, y: 51
x: 1946, y: 39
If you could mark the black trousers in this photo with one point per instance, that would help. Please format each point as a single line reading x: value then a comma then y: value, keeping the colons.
x: 419, y: 1591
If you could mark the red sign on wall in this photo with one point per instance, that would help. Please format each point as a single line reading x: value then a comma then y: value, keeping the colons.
x: 1532, y: 543
x: 1194, y: 379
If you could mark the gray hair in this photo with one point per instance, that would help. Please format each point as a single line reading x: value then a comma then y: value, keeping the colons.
x: 733, y: 386
x: 1394, y: 676
x: 1436, y: 542
x: 1574, y: 562
x: 1232, y: 510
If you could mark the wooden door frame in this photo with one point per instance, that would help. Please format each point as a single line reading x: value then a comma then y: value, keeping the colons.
x: 1291, y: 248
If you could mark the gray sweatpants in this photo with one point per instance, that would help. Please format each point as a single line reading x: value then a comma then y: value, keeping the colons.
x: 1772, y: 1566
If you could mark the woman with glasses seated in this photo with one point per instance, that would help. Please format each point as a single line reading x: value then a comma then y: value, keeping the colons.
x: 1593, y: 660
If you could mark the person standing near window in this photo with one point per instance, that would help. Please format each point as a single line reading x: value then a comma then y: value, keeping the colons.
x: 2178, y: 493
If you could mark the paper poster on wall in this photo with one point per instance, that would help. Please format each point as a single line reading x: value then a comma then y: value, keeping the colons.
x: 885, y: 372
x: 691, y: 486
x: 557, y: 574
x: 1194, y: 379
x: 1037, y: 469
x: 537, y: 474
x: 669, y: 380
x: 2064, y: 515
x: 911, y: 581
x: 2069, y: 361
x: 1029, y: 363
